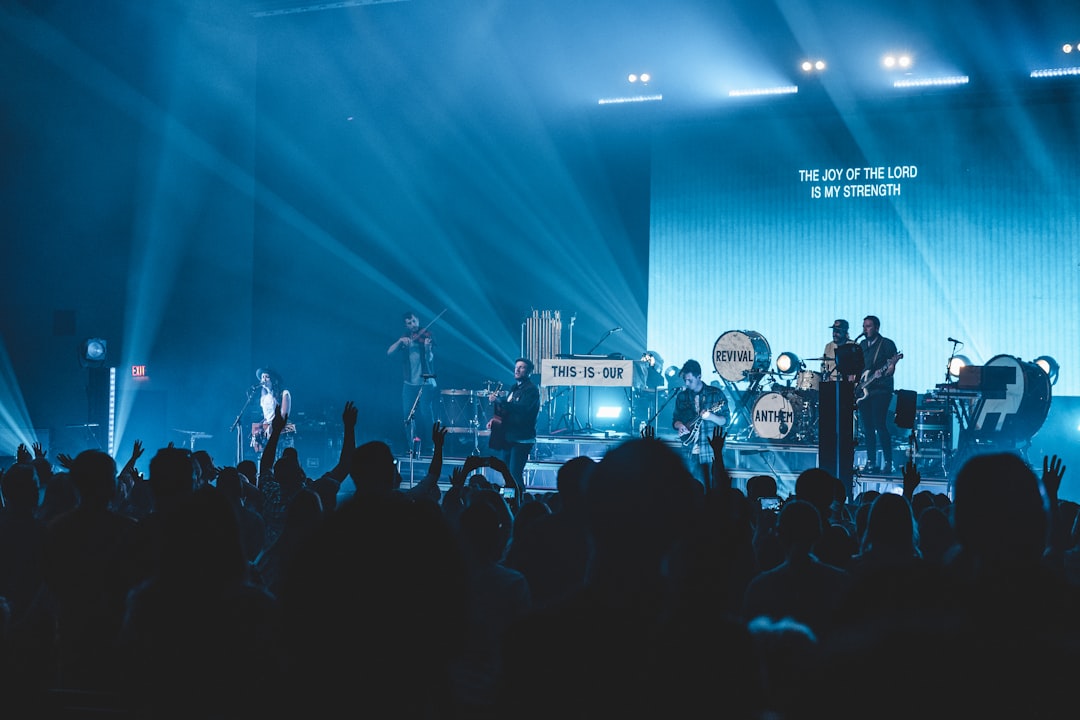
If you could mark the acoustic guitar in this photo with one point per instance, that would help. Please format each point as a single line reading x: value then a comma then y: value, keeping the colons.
x: 497, y: 438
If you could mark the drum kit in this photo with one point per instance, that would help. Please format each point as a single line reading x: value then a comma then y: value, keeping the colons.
x: 784, y: 412
x: 466, y: 412
x: 1008, y: 407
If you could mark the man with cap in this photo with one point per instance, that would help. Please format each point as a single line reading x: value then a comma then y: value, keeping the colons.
x: 839, y: 337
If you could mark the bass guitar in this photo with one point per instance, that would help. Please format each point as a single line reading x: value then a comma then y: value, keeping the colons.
x: 695, y: 425
x: 497, y: 438
x: 862, y: 388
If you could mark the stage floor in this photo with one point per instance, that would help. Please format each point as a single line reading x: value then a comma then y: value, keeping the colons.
x: 744, y: 459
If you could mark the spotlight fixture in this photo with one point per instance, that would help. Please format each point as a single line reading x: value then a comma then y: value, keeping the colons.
x: 956, y: 364
x: 1067, y: 48
x: 671, y: 372
x: 788, y: 363
x: 895, y: 61
x: 1049, y: 366
x: 643, y: 78
x: 93, y: 352
x: 809, y: 66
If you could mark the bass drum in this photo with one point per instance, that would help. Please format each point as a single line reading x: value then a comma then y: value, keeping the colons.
x: 1019, y: 415
x: 773, y: 416
x: 740, y: 354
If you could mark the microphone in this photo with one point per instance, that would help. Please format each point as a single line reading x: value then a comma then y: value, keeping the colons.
x: 614, y: 330
x: 862, y: 334
x: 256, y: 386
x: 954, y: 340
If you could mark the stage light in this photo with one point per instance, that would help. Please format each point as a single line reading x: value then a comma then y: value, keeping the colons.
x: 807, y: 66
x: 819, y: 65
x: 956, y: 363
x: 632, y: 78
x: 653, y: 359
x: 645, y: 78
x: 1049, y: 366
x: 671, y: 373
x: 608, y: 412
x: 93, y: 352
x: 788, y: 363
x: 1066, y: 48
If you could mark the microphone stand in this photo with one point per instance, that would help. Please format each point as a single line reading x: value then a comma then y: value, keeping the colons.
x: 659, y: 410
x: 588, y: 425
x: 236, y: 426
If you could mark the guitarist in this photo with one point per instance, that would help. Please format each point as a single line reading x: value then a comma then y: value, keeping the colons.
x: 878, y: 353
x: 513, y: 422
x: 698, y: 409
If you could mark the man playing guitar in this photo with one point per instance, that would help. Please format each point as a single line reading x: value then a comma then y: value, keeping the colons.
x: 513, y: 424
x: 698, y: 408
x: 875, y: 393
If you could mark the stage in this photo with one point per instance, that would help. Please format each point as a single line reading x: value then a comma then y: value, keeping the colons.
x: 743, y: 459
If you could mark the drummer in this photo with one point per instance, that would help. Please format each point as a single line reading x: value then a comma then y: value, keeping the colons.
x: 839, y: 337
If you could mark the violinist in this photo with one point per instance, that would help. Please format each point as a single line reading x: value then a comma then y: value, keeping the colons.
x: 416, y: 348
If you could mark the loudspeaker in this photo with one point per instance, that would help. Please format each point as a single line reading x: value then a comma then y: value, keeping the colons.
x: 905, y: 409
x: 836, y: 430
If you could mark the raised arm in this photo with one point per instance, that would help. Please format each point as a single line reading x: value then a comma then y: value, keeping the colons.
x: 348, y: 442
x: 499, y: 466
x: 721, y: 477
x: 438, y: 440
x: 266, y: 462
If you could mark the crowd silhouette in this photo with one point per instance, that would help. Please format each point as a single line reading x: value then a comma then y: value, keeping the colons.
x: 200, y: 591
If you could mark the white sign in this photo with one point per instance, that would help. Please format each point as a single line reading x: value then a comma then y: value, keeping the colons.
x: 608, y: 373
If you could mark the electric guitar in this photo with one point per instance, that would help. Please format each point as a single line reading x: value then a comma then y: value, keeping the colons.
x: 695, y: 425
x: 497, y: 438
x: 862, y: 388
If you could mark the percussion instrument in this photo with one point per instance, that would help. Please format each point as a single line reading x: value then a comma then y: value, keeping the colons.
x: 740, y: 355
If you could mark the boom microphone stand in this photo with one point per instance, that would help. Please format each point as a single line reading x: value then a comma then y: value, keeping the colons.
x: 569, y: 421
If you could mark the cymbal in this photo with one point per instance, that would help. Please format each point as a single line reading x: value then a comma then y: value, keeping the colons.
x: 813, y: 359
x: 197, y: 434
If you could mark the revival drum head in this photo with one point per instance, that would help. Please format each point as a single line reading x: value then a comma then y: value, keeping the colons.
x: 740, y: 354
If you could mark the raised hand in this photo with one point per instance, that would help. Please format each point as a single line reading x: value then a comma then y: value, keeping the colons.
x: 458, y: 475
x: 912, y: 478
x: 22, y: 455
x: 65, y: 460
x: 136, y: 452
x: 39, y: 451
x: 438, y: 435
x: 717, y: 440
x: 279, y: 421
x: 1053, y: 472
x: 648, y: 432
x: 350, y: 415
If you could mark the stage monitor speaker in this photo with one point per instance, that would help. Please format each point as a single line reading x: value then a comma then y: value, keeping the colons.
x: 905, y: 409
x: 836, y: 430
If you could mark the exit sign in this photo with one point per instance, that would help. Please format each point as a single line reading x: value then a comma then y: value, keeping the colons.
x: 138, y: 371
